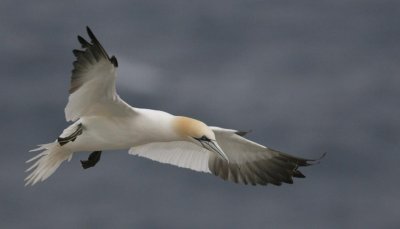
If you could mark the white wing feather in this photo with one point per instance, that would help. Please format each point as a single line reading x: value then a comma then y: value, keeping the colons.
x: 178, y: 153
x: 92, y: 90
x: 249, y: 162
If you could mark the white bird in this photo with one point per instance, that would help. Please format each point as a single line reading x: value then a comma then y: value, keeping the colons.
x: 103, y: 121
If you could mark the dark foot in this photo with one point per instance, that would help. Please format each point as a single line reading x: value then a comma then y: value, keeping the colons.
x: 297, y: 173
x: 72, y: 137
x: 92, y: 160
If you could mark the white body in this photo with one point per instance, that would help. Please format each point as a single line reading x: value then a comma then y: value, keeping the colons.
x: 106, y: 122
x: 111, y: 133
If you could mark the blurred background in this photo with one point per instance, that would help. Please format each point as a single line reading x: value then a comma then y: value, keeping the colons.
x: 306, y: 76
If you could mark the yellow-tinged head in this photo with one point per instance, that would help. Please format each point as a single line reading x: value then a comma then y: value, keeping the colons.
x: 188, y: 127
x: 199, y: 133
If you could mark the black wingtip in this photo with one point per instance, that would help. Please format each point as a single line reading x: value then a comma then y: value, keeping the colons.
x: 83, y: 42
x: 243, y: 133
x: 90, y: 33
x: 77, y: 52
x: 298, y: 174
x: 114, y: 61
x: 93, y: 38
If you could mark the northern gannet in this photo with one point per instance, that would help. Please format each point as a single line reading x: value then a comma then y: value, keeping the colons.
x: 103, y: 121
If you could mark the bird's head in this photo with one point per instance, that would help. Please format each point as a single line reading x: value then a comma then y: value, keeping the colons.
x: 198, y: 133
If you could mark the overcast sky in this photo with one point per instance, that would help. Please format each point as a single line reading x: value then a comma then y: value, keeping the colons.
x: 307, y: 77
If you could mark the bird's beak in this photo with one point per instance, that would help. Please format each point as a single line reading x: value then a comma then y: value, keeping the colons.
x: 214, y: 147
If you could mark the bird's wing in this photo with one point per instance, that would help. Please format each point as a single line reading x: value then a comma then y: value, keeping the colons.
x: 249, y: 162
x: 180, y: 153
x: 92, y: 90
x: 252, y: 163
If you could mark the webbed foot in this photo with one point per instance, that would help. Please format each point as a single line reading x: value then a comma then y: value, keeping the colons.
x: 92, y: 160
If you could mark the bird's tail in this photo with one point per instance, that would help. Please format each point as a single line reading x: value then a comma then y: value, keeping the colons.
x: 46, y: 162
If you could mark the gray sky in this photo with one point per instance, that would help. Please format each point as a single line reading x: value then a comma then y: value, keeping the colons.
x: 307, y: 77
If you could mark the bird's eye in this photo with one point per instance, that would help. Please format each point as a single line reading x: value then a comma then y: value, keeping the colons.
x: 204, y: 138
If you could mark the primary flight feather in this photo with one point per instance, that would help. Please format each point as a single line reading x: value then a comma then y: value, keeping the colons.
x: 103, y: 121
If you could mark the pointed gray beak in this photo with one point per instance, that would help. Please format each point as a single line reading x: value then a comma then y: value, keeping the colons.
x: 214, y: 147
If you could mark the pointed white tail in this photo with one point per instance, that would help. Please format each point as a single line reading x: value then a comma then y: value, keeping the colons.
x: 46, y: 162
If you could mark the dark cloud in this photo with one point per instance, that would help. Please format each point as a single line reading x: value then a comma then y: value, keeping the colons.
x: 307, y: 77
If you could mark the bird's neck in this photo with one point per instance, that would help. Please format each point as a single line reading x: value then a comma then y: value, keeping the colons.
x: 158, y: 126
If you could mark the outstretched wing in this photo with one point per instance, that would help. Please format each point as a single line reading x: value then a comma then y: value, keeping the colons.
x: 252, y: 163
x: 92, y: 90
x: 179, y: 153
x: 249, y: 162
